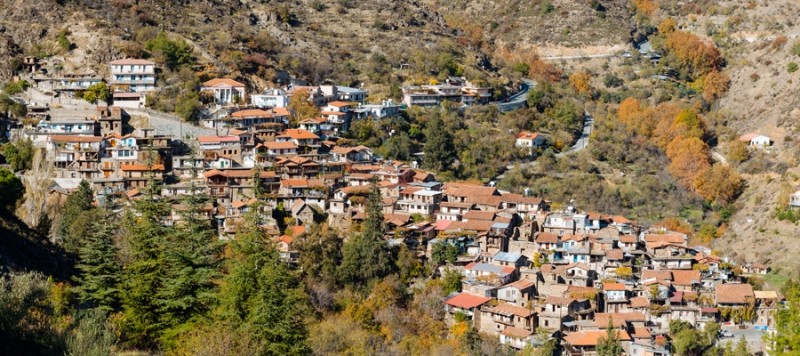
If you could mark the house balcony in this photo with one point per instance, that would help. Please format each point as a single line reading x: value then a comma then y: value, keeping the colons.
x: 579, y: 351
x: 502, y: 320
x: 89, y: 156
x: 133, y: 81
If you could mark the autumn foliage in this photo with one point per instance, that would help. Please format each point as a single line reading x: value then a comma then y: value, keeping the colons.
x: 715, y: 84
x: 648, y: 7
x: 539, y: 69
x: 667, y: 26
x: 580, y: 82
x: 700, y: 56
x: 680, y: 132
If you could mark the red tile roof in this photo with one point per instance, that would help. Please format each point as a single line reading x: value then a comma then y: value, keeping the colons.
x: 338, y: 104
x: 524, y: 135
x: 590, y: 338
x: 467, y: 301
x: 252, y: 113
x: 507, y: 308
x: 136, y: 167
x: 614, y: 286
x: 546, y: 237
x: 300, y: 134
x: 218, y: 81
x: 75, y: 138
x: 734, y: 293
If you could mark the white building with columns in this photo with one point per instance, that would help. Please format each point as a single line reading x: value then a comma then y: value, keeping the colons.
x: 226, y: 90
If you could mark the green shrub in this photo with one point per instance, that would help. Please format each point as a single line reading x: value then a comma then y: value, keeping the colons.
x: 792, y: 67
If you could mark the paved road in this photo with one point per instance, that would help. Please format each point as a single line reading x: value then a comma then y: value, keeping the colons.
x: 518, y: 100
x: 602, y: 55
x: 752, y: 336
x: 581, y: 143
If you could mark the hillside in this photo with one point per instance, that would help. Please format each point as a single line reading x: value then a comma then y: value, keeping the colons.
x: 554, y: 28
x: 23, y: 250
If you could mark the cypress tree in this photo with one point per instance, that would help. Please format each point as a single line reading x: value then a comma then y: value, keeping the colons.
x: 101, y: 272
x: 145, y: 266
x: 192, y: 266
x: 366, y: 256
x: 260, y: 292
x: 77, y: 203
x: 439, y: 149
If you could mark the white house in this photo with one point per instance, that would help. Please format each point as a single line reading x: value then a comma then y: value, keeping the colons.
x: 756, y: 140
x: 136, y: 74
x: 350, y: 94
x: 530, y: 140
x: 271, y: 98
x: 226, y: 90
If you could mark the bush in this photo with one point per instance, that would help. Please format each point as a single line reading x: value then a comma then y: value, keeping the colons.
x: 16, y: 87
x: 796, y: 48
x: 792, y: 67
x: 611, y: 80
x: 64, y: 43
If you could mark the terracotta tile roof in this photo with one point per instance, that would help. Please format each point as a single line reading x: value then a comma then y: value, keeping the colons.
x: 334, y: 113
x: 641, y: 332
x: 252, y: 113
x: 338, y: 104
x: 547, y: 268
x: 580, y: 265
x: 516, y: 332
x: 285, y: 238
x: 289, y: 183
x: 618, y: 320
x: 297, y: 230
x: 628, y: 239
x: 748, y: 137
x: 546, y: 237
x: 280, y: 111
x: 478, y: 215
x: 552, y: 300
x: 675, y: 239
x: 591, y: 337
x: 246, y: 173
x: 468, y: 190
x: 685, y: 277
x: 75, y: 138
x: 657, y: 274
x: 136, y: 167
x: 238, y: 204
x: 524, y: 135
x: 472, y: 225
x: 467, y: 301
x: 212, y: 173
x: 620, y: 219
x: 300, y: 134
x: 133, y: 192
x: 507, y: 308
x: 487, y: 200
x: 614, y: 254
x: 285, y: 145
x: 218, y: 81
x: 520, y: 284
x: 734, y: 293
x: 133, y: 61
x: 639, y: 302
x: 614, y: 287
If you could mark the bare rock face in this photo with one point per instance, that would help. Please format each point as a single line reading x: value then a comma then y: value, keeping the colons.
x: 104, y: 52
x: 795, y: 113
x: 8, y: 50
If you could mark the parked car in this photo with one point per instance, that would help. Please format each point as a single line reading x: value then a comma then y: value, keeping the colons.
x: 725, y: 333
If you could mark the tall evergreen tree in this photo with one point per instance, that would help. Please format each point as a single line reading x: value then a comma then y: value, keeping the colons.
x: 76, y: 205
x: 366, y: 256
x: 145, y: 267
x: 320, y: 251
x: 439, y: 149
x: 192, y: 255
x: 101, y: 271
x: 609, y: 344
x: 260, y: 293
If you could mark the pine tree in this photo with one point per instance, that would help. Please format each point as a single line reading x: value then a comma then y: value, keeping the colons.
x: 260, y: 293
x: 609, y: 345
x: 77, y: 203
x: 145, y: 268
x: 101, y: 272
x: 366, y: 256
x: 439, y: 149
x: 192, y: 266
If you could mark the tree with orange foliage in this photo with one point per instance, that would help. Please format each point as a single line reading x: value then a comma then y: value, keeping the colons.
x: 700, y: 56
x: 664, y: 117
x: 580, y: 82
x: 539, y: 69
x: 689, y: 124
x: 647, y: 7
x: 718, y: 183
x: 689, y: 157
x: 667, y: 26
x: 715, y: 85
x: 629, y: 110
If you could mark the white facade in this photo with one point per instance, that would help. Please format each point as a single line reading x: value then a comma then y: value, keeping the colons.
x: 275, y: 98
x: 137, y: 74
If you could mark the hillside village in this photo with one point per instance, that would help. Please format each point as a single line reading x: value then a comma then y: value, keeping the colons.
x: 529, y: 273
